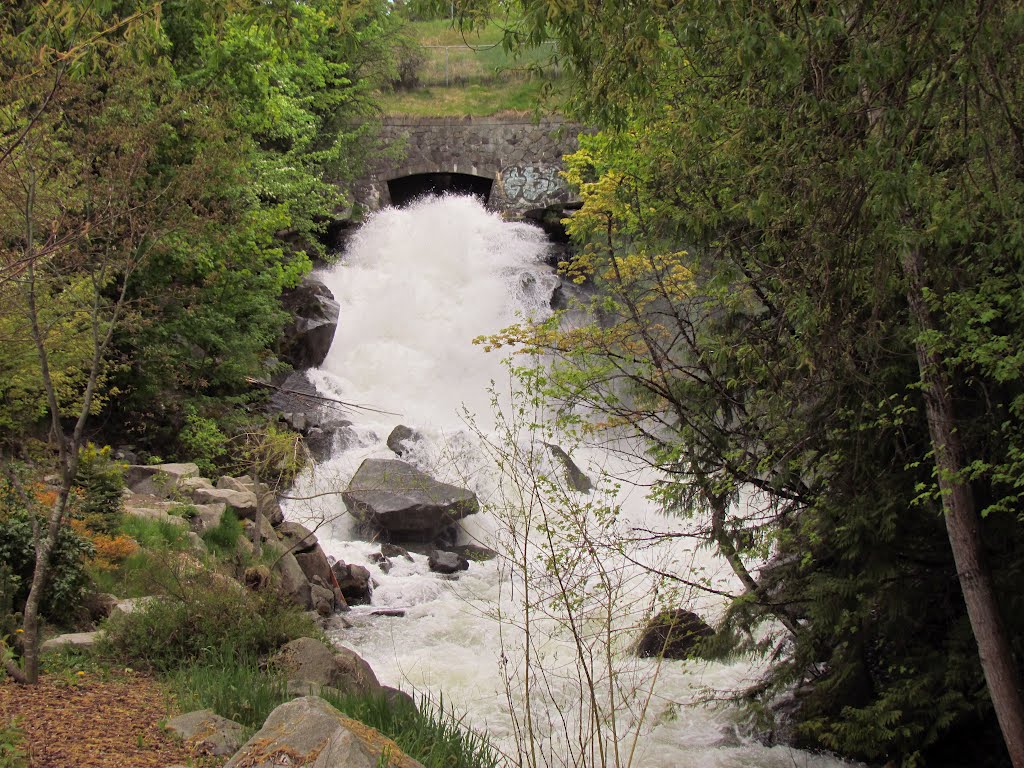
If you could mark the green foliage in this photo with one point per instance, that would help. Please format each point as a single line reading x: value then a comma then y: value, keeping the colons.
x: 223, y: 538
x: 761, y: 175
x: 233, y: 686
x: 202, y: 441
x: 200, y: 614
x: 101, y: 480
x: 434, y: 736
x: 155, y: 563
x: 153, y: 534
x: 11, y: 753
x: 185, y: 158
x: 272, y: 453
x: 68, y: 579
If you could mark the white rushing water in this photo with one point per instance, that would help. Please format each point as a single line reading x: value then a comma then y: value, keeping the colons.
x: 416, y: 286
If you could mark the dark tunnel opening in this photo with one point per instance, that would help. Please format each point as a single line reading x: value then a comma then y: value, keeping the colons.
x: 407, y: 188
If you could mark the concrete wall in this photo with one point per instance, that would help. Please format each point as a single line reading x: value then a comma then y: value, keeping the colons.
x: 522, y: 158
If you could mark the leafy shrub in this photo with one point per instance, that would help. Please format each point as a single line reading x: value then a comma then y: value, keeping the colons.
x: 109, y: 550
x: 68, y: 580
x: 203, y: 614
x: 223, y: 538
x: 101, y: 481
x: 273, y: 454
x: 202, y: 441
x: 11, y: 753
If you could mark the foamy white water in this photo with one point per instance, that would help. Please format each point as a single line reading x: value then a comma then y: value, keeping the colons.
x: 415, y: 287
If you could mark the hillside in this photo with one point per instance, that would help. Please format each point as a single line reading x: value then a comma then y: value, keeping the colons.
x: 444, y: 72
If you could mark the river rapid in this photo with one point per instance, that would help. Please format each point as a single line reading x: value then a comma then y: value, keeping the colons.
x: 415, y: 287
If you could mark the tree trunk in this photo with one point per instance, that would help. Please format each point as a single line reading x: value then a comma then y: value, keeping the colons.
x: 962, y: 526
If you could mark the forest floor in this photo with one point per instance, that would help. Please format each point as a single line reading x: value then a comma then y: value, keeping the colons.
x: 90, y: 720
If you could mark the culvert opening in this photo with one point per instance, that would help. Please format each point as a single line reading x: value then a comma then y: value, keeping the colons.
x: 405, y: 189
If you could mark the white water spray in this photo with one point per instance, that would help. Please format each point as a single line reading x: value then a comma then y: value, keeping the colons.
x: 415, y: 287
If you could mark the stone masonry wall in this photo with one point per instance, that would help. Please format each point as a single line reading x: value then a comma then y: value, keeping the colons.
x: 523, y: 158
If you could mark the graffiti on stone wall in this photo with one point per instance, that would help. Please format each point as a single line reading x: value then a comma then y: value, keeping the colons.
x: 532, y: 184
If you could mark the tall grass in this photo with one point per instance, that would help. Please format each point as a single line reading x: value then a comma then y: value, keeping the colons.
x: 155, y: 534
x: 233, y: 686
x: 223, y: 538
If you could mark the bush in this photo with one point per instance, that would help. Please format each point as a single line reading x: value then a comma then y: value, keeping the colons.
x: 202, y: 615
x: 109, y: 550
x: 202, y: 441
x: 101, y: 482
x: 11, y: 753
x: 68, y: 580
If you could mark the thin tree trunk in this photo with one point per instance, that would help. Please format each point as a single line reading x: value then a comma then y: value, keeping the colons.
x: 727, y: 548
x: 962, y: 526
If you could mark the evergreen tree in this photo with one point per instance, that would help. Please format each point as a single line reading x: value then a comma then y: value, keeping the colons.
x: 804, y: 224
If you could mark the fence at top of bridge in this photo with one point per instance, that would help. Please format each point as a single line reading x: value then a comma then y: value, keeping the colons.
x: 424, y: 66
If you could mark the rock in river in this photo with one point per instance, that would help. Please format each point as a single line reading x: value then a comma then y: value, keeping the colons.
x: 408, y: 504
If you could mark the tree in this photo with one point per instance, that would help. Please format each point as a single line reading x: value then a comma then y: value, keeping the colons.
x: 164, y: 172
x: 844, y: 333
x: 83, y: 211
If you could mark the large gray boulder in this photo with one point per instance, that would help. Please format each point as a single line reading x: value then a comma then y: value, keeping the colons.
x: 206, y: 516
x: 296, y: 537
x: 160, y: 480
x: 81, y: 641
x: 311, y: 661
x: 404, y: 502
x: 243, y: 502
x: 315, y: 565
x: 307, y: 339
x: 309, y: 733
x: 207, y: 732
x: 293, y: 582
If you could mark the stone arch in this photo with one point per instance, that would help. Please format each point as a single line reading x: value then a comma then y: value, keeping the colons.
x: 406, y: 188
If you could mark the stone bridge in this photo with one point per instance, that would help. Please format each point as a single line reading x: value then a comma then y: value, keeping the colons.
x: 513, y: 164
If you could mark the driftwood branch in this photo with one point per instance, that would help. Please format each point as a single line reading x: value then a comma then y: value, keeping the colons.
x: 320, y: 398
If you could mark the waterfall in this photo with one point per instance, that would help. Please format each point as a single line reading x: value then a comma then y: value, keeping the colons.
x: 415, y: 287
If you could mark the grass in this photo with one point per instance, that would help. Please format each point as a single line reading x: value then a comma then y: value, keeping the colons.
x: 155, y: 534
x: 141, y: 572
x: 442, y: 32
x: 223, y: 538
x: 474, y: 76
x: 234, y: 687
x: 155, y: 564
x: 472, y: 100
